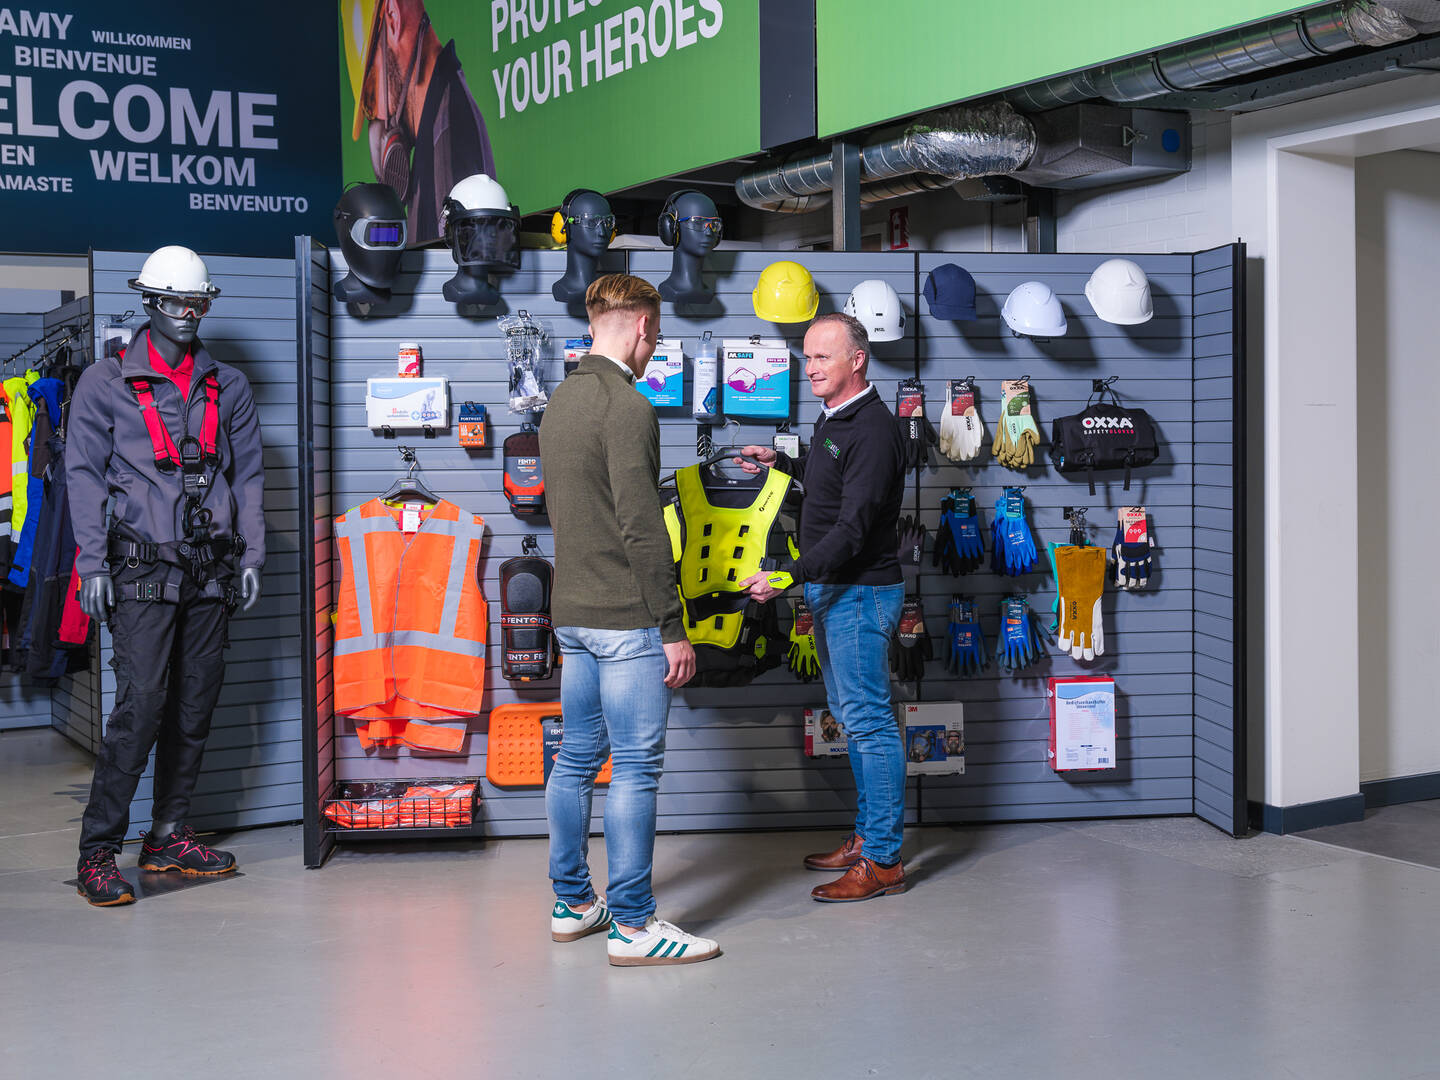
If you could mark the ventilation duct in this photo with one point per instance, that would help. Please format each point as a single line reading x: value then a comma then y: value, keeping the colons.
x: 932, y: 151
x: 1237, y: 53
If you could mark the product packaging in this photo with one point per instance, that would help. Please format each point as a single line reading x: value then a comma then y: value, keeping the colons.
x: 1082, y: 723
x: 704, y: 400
x: 408, y: 360
x: 575, y: 348
x: 663, y: 383
x: 934, y: 738
x: 824, y: 735
x: 472, y: 424
x: 409, y: 404
x: 757, y: 379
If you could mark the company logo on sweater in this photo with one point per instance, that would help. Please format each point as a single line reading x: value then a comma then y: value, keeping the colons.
x: 1109, y: 424
x: 834, y: 450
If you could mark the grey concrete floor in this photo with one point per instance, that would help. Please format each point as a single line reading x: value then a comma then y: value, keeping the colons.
x: 1146, y: 949
x: 1408, y: 831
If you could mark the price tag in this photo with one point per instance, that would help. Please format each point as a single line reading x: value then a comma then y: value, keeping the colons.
x: 410, y: 518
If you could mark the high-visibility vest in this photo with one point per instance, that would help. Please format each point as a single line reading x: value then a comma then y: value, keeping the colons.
x: 409, y: 659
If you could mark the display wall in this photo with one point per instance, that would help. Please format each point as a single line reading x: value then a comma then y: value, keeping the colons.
x: 735, y: 757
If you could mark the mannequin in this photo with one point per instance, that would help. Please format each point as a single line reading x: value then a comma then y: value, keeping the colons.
x: 585, y: 224
x: 471, y: 285
x: 482, y: 228
x: 166, y: 484
x: 690, y: 224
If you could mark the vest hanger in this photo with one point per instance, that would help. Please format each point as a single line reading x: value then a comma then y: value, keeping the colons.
x: 409, y: 486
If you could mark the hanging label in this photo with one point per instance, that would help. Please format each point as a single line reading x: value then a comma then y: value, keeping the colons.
x: 961, y: 402
x: 410, y: 518
x: 786, y: 443
x: 910, y: 401
x: 1132, y: 521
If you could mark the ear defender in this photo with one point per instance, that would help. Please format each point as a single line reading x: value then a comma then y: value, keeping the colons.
x: 557, y: 227
x: 667, y: 226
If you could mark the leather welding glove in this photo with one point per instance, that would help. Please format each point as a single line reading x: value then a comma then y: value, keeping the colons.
x: 1080, y: 581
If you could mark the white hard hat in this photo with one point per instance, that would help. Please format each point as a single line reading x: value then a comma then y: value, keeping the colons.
x: 1119, y: 292
x: 480, y: 192
x: 877, y: 305
x: 1033, y: 308
x: 175, y: 271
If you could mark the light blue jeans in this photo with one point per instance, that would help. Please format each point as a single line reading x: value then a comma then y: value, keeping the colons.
x: 853, y: 624
x: 615, y: 702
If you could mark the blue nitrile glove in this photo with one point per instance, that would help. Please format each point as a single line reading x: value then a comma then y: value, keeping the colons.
x: 943, y: 555
x: 964, y: 642
x: 1019, y: 643
x: 1014, y: 552
x: 965, y: 532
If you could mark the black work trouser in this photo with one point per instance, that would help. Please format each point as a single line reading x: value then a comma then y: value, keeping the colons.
x: 169, y: 666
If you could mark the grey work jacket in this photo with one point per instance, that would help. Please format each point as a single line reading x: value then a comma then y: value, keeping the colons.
x: 109, y: 456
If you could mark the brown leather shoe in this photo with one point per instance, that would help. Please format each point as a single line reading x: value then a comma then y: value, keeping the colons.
x: 863, y: 881
x: 842, y: 858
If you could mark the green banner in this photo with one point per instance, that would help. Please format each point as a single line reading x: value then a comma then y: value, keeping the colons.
x: 936, y: 53
x: 548, y: 95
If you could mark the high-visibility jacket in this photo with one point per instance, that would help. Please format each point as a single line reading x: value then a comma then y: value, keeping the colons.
x: 22, y: 418
x: 409, y: 660
x: 7, y: 481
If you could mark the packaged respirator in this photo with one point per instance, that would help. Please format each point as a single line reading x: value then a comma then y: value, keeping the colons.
x: 756, y: 379
x: 663, y: 383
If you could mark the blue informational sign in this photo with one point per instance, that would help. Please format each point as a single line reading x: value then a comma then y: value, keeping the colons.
x: 128, y: 126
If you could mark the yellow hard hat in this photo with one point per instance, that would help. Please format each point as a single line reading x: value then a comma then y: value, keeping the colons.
x: 359, y: 28
x: 785, y: 293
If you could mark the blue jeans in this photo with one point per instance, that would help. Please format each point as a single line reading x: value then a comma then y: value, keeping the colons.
x: 853, y: 624
x: 615, y: 701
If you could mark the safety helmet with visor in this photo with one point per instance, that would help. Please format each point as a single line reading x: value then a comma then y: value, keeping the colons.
x: 481, y: 225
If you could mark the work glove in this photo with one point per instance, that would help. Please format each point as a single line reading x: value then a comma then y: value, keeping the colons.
x: 964, y: 641
x: 911, y: 646
x: 1080, y: 581
x: 804, y: 661
x: 943, y: 555
x: 1131, y: 549
x: 910, y: 535
x: 1019, y: 642
x: 1012, y: 546
x: 1016, y: 435
x: 961, y: 429
x: 964, y: 526
x: 916, y: 434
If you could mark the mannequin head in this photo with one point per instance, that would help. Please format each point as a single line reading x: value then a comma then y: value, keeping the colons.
x: 690, y: 224
x: 471, y: 285
x: 179, y: 331
x: 585, y: 224
x: 482, y: 228
x: 176, y: 292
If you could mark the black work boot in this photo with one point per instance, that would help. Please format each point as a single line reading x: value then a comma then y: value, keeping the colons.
x: 100, y: 883
x: 181, y: 851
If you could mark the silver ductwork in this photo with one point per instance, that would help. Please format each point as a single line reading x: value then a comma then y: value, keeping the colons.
x: 932, y: 151
x: 1236, y: 53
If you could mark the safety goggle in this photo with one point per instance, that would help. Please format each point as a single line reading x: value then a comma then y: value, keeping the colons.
x: 710, y: 226
x: 377, y: 234
x: 182, y: 307
x: 605, y: 223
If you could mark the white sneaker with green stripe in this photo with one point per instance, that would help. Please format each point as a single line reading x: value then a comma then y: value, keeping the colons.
x: 659, y: 942
x: 567, y: 924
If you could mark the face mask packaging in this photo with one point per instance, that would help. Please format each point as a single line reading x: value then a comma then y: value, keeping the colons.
x: 663, y: 383
x: 575, y: 348
x: 756, y: 378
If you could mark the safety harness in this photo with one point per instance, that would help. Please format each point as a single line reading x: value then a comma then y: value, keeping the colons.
x: 715, y: 548
x: 199, y: 554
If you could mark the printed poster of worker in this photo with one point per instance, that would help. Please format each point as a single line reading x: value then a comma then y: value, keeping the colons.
x: 126, y: 125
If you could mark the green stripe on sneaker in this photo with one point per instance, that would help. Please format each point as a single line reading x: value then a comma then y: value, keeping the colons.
x: 659, y: 945
x: 682, y: 950
x: 669, y: 948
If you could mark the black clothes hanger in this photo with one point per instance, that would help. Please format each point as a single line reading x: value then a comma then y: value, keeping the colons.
x: 409, y: 486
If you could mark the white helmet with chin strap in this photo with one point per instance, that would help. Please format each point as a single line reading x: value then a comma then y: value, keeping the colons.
x: 877, y: 305
x: 175, y: 271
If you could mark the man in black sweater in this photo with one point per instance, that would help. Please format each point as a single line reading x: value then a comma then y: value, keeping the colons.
x: 854, y: 477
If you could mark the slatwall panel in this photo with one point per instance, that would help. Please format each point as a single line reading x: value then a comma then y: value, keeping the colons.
x: 734, y: 757
x: 1148, y: 635
x: 251, y: 773
x: 313, y: 379
x: 1219, y: 672
x: 75, y: 698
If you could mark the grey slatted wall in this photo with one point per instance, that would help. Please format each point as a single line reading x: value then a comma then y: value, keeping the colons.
x: 251, y: 774
x: 312, y: 300
x: 1219, y: 433
x: 1148, y: 636
x: 734, y: 757
x: 22, y: 704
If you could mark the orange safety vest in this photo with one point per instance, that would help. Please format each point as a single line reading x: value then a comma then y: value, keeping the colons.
x: 410, y: 628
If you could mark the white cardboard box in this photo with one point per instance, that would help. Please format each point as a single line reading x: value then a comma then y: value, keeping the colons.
x: 1082, y: 723
x: 934, y: 738
x: 407, y: 404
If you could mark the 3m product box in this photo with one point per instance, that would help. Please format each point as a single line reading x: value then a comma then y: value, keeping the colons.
x: 934, y: 738
x: 664, y: 381
x: 407, y: 404
x: 824, y: 734
x: 756, y: 379
x: 1082, y: 723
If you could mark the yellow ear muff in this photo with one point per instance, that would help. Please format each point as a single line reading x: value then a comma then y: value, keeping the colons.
x: 557, y: 227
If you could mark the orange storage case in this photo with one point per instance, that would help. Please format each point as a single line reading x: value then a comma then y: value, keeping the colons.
x: 515, y: 754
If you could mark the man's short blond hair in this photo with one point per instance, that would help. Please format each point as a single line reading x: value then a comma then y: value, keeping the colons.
x: 621, y: 292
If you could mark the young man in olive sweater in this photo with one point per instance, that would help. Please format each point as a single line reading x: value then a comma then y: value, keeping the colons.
x: 620, y: 626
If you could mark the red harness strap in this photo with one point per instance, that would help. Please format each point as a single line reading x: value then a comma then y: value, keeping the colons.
x: 211, y: 423
x: 167, y: 457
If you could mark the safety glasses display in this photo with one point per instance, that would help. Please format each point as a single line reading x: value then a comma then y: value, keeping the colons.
x: 376, y: 234
x: 182, y: 307
x: 710, y: 226
x: 605, y: 223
